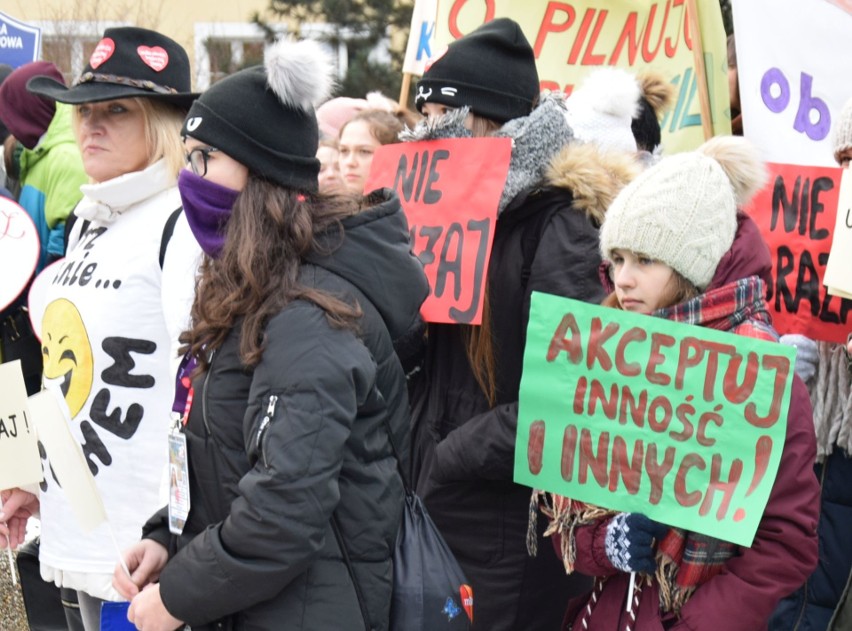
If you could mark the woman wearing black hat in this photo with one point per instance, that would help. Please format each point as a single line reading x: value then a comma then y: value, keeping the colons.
x: 294, y: 495
x: 117, y: 304
x: 465, y: 398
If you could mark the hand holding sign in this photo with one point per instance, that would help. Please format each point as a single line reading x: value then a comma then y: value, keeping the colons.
x: 681, y: 423
x: 630, y: 541
x: 20, y: 463
x: 15, y: 511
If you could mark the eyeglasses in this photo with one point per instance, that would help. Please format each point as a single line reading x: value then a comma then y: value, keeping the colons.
x: 197, y: 159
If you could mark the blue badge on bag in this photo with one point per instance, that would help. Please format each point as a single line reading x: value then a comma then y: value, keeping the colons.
x: 114, y: 617
x: 451, y: 608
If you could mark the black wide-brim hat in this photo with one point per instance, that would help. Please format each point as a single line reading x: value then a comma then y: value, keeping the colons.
x: 127, y: 62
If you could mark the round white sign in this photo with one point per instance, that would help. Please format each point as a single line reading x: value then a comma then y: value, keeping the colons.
x: 19, y: 249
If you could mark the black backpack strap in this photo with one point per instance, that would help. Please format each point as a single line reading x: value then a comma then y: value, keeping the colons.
x: 362, y: 604
x: 168, y: 231
x: 71, y: 221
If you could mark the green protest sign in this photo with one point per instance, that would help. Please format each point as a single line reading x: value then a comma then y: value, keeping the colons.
x: 634, y: 413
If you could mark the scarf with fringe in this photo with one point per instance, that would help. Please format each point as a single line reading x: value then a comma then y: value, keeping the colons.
x: 685, y: 559
x: 831, y: 396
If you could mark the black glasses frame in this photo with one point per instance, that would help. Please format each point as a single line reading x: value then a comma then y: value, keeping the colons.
x: 197, y: 159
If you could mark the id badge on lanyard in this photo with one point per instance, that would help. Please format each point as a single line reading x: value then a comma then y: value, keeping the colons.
x: 178, y: 483
x: 178, y: 463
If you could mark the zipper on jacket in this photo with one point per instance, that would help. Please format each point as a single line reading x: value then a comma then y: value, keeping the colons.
x: 264, y: 424
x: 204, y: 394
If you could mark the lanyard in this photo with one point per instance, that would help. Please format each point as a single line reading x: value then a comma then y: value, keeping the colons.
x: 183, y: 388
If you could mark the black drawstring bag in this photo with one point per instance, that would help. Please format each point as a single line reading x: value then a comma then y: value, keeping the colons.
x: 430, y: 590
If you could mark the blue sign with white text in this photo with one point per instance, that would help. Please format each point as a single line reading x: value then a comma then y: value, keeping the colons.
x: 19, y: 43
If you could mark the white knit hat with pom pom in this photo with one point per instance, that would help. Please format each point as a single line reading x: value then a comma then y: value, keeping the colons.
x: 683, y: 210
x: 600, y: 111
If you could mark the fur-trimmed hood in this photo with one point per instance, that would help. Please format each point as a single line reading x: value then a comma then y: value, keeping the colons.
x: 536, y: 140
x: 593, y: 176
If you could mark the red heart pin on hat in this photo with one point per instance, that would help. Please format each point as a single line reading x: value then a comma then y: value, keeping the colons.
x: 156, y: 57
x: 102, y: 52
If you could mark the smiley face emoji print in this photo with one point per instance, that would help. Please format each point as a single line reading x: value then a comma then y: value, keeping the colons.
x: 67, y: 353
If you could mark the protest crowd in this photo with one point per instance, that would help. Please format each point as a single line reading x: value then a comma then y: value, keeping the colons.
x: 514, y: 358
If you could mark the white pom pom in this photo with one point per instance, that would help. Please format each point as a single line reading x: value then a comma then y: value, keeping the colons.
x: 378, y: 101
x: 741, y: 162
x: 611, y: 91
x: 300, y: 73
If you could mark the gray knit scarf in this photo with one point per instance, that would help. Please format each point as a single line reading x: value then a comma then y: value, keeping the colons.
x: 536, y: 140
x: 831, y: 396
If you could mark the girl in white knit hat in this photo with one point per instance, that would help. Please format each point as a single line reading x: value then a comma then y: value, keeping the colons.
x: 665, y: 236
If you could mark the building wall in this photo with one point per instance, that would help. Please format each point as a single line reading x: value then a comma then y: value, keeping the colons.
x: 217, y: 34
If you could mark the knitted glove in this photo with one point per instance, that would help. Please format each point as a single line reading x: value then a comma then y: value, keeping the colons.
x: 807, y: 355
x: 629, y: 542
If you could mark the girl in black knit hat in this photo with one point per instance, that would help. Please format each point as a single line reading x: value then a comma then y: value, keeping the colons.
x: 465, y: 398
x: 294, y: 388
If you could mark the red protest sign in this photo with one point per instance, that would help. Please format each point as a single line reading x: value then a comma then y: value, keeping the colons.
x: 796, y: 213
x: 449, y: 190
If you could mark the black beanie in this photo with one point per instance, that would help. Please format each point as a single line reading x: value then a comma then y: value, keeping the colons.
x: 263, y: 117
x: 490, y: 70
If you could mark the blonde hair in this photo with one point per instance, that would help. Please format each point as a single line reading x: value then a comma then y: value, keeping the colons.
x: 163, y: 123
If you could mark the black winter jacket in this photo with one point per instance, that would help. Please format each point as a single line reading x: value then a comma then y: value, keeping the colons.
x: 463, y: 449
x: 280, y: 454
x: 811, y: 607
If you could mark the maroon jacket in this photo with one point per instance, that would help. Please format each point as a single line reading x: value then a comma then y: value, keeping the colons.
x: 744, y: 594
x: 749, y: 255
x: 784, y: 551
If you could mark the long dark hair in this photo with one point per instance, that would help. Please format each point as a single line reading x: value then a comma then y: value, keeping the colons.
x: 270, y: 230
x: 479, y: 340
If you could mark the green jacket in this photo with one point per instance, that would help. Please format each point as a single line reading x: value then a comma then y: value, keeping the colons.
x: 51, y: 175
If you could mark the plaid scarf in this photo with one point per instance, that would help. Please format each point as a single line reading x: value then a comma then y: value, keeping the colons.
x: 738, y: 307
x: 685, y: 559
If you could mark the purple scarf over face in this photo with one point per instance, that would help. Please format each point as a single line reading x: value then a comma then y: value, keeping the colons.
x: 208, y: 207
